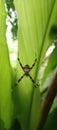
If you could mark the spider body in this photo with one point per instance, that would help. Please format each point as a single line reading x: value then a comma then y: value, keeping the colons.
x: 26, y: 70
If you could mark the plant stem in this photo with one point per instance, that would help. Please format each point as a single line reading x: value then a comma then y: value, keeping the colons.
x: 47, y: 103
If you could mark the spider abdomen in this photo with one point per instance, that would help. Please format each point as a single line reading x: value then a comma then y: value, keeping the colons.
x: 26, y: 70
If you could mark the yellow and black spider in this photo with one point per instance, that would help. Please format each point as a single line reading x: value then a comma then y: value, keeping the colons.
x: 26, y: 70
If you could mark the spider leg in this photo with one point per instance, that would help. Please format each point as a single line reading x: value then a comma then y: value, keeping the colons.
x: 20, y: 64
x: 33, y: 81
x: 19, y: 79
x: 33, y: 64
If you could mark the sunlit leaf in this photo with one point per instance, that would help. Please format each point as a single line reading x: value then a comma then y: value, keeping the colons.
x: 35, y: 19
x: 5, y: 73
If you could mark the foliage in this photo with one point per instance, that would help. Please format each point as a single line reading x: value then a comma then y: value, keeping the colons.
x: 10, y: 8
x: 52, y: 118
x: 6, y: 106
x: 37, y: 29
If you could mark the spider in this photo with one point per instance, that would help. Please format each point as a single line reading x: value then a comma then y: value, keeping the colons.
x: 26, y: 70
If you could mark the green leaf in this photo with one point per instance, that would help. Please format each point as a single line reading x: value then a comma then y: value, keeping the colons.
x: 35, y: 19
x: 51, y: 122
x: 52, y: 117
x: 52, y: 63
x: 5, y: 73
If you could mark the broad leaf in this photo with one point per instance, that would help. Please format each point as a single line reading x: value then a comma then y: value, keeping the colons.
x: 5, y: 73
x: 35, y: 19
